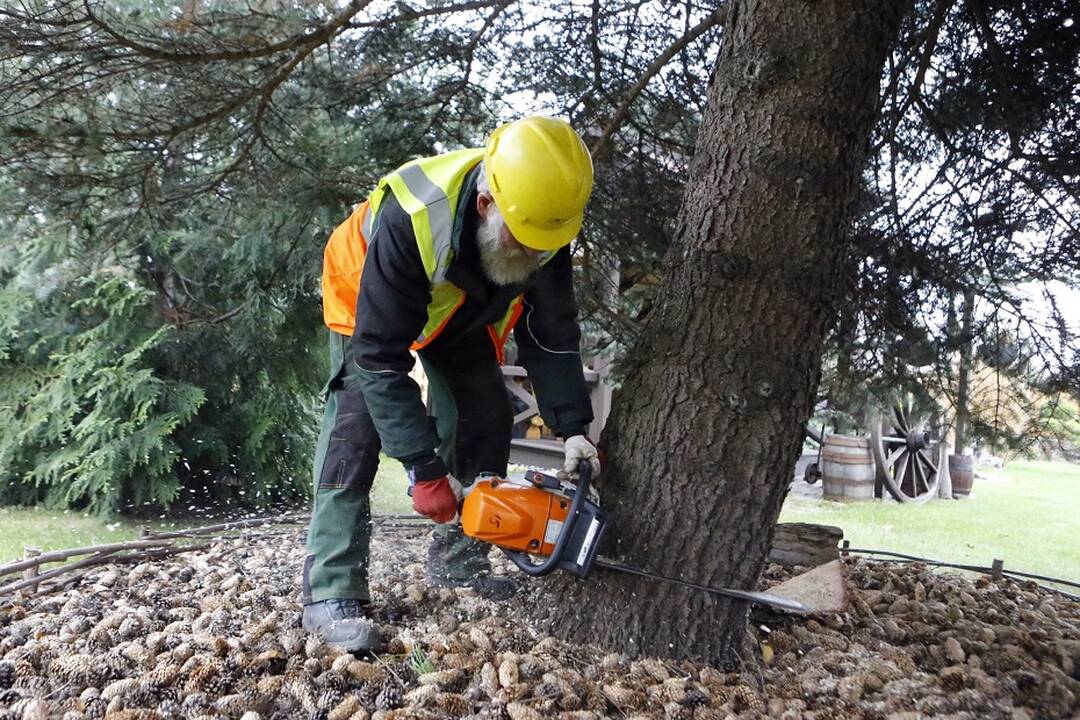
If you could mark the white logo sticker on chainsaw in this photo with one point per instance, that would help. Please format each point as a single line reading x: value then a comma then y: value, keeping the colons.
x: 551, y: 532
x: 590, y: 537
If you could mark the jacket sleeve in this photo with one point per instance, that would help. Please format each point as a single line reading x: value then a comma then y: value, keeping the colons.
x: 549, y: 340
x: 391, y: 310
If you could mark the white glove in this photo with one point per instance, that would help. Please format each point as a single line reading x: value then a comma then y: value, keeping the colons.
x: 578, y: 448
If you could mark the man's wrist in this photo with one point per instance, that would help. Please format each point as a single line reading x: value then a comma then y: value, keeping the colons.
x: 425, y: 469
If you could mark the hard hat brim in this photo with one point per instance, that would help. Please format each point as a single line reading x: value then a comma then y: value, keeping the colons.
x: 546, y: 240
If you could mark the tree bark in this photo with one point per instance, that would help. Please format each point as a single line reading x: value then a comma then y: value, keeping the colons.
x: 704, y: 434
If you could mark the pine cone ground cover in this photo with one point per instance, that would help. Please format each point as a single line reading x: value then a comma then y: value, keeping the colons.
x: 217, y: 633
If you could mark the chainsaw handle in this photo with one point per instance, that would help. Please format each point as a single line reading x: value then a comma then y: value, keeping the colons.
x: 552, y: 561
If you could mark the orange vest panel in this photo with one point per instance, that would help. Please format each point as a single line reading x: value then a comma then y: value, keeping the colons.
x: 343, y: 261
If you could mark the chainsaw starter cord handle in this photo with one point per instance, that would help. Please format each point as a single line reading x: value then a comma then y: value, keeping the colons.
x: 552, y: 561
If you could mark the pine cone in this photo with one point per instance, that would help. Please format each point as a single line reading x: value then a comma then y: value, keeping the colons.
x: 34, y: 686
x: 389, y: 698
x: 954, y: 677
x: 219, y: 684
x: 405, y: 670
x: 329, y: 699
x: 333, y: 680
x: 747, y: 699
x: 271, y: 662
x: 95, y: 709
x: 454, y: 704
x: 141, y: 697
x: 169, y: 710
x: 368, y: 692
x: 7, y: 674
x: 694, y: 697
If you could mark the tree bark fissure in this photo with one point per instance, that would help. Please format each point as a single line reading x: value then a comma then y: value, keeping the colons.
x: 721, y: 384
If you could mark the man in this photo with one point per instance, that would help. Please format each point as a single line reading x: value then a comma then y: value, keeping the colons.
x: 446, y: 256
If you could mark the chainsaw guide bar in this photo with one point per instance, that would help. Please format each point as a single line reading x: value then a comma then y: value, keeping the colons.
x: 563, y: 524
x: 758, y: 598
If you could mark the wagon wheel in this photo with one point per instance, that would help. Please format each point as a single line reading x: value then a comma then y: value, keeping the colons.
x: 906, y: 454
x: 812, y: 472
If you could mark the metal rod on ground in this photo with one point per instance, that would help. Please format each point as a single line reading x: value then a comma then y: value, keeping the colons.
x: 914, y: 558
x: 58, y: 555
x: 911, y: 558
x: 1059, y: 591
x: 1032, y: 576
x: 996, y: 568
x: 976, y: 568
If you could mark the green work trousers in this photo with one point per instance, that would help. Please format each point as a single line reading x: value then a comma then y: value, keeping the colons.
x: 471, y: 409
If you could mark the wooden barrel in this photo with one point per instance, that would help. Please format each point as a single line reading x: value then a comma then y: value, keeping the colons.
x: 847, y: 467
x: 962, y: 472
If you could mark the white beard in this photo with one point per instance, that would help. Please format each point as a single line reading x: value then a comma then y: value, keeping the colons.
x: 502, y: 265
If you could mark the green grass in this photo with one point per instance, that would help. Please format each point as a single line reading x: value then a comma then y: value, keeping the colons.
x: 55, y: 530
x: 388, y: 493
x: 1027, y: 514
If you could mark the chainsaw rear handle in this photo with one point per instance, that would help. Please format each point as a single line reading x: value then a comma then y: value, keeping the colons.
x: 551, y: 562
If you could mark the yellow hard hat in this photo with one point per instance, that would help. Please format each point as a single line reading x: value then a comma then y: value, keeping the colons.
x: 540, y: 174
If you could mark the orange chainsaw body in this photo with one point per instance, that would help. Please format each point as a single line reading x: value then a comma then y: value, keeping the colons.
x: 518, y: 517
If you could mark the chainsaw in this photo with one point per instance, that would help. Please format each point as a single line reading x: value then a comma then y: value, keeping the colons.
x: 562, y: 524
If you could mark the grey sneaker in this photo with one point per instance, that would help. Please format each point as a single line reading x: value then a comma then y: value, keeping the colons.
x: 342, y: 622
x: 496, y: 588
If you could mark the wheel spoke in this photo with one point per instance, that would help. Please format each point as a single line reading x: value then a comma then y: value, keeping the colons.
x: 925, y: 457
x: 901, y: 421
x: 901, y: 470
x: 894, y: 439
x: 894, y: 456
x: 917, y: 480
x: 931, y: 469
x: 911, y: 479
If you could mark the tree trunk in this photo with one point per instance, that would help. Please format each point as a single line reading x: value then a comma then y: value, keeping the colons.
x: 805, y: 544
x: 963, y: 412
x: 705, y: 432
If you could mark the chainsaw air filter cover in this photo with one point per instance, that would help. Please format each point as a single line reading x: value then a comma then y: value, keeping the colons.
x: 531, y: 516
x: 514, y: 516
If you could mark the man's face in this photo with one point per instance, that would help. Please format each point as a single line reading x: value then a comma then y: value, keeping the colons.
x: 505, y: 260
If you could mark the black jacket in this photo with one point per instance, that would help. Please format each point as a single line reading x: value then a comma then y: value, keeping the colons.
x: 391, y: 311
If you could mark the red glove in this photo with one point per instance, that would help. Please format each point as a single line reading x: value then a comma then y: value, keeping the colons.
x: 438, y: 499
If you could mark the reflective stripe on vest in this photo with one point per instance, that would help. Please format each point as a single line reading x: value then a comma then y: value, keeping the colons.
x: 428, y: 190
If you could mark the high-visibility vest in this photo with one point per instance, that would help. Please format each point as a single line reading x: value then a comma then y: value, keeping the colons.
x: 428, y: 190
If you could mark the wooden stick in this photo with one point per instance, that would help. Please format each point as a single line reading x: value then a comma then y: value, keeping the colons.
x: 104, y: 558
x: 58, y: 555
x: 232, y: 525
x: 31, y: 572
x: 96, y: 559
x: 274, y: 520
